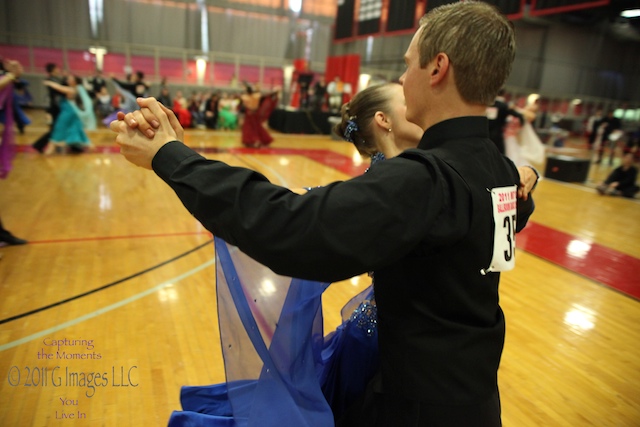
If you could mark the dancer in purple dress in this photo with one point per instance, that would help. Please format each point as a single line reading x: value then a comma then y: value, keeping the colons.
x: 12, y: 70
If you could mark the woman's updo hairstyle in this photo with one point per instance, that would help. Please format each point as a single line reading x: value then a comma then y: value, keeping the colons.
x: 357, y: 116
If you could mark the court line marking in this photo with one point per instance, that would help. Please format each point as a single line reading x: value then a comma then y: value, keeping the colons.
x: 130, y: 236
x: 103, y: 287
x: 108, y: 308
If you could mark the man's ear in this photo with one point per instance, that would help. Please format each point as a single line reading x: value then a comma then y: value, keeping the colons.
x: 440, y: 66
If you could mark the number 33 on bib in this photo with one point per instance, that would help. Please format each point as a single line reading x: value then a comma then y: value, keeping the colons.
x: 504, y: 201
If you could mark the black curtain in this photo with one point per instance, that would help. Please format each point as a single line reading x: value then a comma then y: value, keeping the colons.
x: 541, y: 7
x: 344, y: 20
x: 369, y: 17
x: 401, y: 15
x: 432, y: 4
x: 510, y: 8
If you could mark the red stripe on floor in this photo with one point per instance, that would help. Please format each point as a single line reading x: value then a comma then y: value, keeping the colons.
x: 594, y: 261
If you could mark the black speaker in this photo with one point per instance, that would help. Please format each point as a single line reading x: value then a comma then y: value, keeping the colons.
x: 568, y: 169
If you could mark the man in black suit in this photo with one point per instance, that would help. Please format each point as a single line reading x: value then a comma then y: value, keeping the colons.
x: 497, y: 115
x: 609, y: 124
x: 54, y: 74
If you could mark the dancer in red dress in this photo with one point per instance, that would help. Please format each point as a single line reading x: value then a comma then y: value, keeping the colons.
x: 253, y: 132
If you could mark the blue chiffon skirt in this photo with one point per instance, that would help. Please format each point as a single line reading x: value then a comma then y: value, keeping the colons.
x: 280, y: 368
x: 68, y: 127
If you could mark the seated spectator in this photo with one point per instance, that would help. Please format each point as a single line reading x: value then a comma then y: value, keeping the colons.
x: 195, y: 108
x: 165, y: 97
x: 211, y: 111
x: 117, y: 100
x: 228, y: 112
x: 104, y: 106
x: 181, y: 109
x: 622, y: 180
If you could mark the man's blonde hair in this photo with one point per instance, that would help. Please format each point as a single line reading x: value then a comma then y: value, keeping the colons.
x: 479, y: 42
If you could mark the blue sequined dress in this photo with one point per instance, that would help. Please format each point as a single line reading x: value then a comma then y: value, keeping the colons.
x: 281, y: 370
x: 350, y: 353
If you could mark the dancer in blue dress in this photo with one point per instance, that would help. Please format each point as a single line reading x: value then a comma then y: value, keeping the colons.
x: 68, y: 128
x: 277, y: 360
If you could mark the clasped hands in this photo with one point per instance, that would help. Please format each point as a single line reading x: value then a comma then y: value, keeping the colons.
x: 143, y: 132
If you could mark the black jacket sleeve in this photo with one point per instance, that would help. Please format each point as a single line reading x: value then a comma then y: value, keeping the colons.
x: 330, y: 233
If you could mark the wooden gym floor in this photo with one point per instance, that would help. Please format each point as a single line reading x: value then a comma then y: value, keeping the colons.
x: 120, y: 270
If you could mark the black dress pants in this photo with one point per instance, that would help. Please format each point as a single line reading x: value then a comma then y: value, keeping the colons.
x: 41, y: 143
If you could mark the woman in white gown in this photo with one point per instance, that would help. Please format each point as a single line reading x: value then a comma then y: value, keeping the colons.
x: 532, y: 149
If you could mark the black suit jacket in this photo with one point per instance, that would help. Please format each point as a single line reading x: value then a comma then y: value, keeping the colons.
x: 498, y: 120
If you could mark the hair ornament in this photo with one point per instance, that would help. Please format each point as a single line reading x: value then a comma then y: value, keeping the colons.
x: 377, y: 157
x: 352, y: 127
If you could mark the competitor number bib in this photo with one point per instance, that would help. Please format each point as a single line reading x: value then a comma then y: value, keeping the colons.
x: 504, y: 238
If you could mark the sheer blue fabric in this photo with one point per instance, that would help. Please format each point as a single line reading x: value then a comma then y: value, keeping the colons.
x: 272, y: 336
x: 280, y: 369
